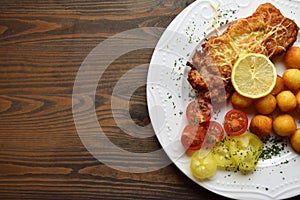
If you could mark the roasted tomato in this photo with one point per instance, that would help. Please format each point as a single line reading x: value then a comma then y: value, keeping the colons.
x: 214, y: 133
x: 193, y: 136
x: 199, y: 111
x: 235, y: 122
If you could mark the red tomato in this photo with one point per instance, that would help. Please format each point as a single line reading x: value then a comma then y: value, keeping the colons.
x: 214, y: 133
x: 215, y: 130
x: 193, y: 136
x: 199, y: 111
x: 235, y: 122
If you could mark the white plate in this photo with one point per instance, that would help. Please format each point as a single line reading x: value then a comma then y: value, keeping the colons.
x: 168, y: 94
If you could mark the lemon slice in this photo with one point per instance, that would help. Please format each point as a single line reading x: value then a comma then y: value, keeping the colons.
x: 254, y: 75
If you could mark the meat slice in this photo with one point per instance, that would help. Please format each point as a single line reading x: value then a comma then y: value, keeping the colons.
x: 266, y: 31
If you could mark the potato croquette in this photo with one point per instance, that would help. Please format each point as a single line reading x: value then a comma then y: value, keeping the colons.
x: 295, y: 140
x: 292, y: 57
x: 261, y: 125
x: 284, y: 125
x: 291, y: 79
x: 279, y: 86
x: 265, y: 105
x: 240, y: 102
x: 298, y: 101
x: 286, y: 101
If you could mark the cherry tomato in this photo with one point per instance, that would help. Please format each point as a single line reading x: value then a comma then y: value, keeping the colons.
x: 203, y: 164
x: 235, y: 122
x: 199, y: 111
x: 215, y: 130
x: 205, y: 134
x: 214, y: 133
x: 193, y: 137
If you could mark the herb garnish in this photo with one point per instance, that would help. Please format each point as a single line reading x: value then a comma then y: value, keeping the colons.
x: 273, y: 146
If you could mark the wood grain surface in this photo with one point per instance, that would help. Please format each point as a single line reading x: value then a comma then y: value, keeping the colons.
x: 42, y: 45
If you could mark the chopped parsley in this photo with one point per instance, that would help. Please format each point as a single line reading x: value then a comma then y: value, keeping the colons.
x: 273, y: 146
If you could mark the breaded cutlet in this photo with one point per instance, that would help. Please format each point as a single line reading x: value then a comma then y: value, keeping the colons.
x: 266, y: 31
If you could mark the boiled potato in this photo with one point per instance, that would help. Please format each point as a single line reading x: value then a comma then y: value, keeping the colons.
x: 265, y: 105
x: 279, y: 86
x: 291, y: 79
x: 284, y: 125
x: 298, y: 101
x: 295, y: 140
x: 239, y: 101
x: 292, y: 57
x: 261, y: 125
x: 286, y: 101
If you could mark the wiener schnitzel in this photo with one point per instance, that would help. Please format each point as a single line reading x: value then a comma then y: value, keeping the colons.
x: 266, y: 31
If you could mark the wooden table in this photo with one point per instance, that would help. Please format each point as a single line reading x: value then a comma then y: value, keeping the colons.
x: 42, y: 46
